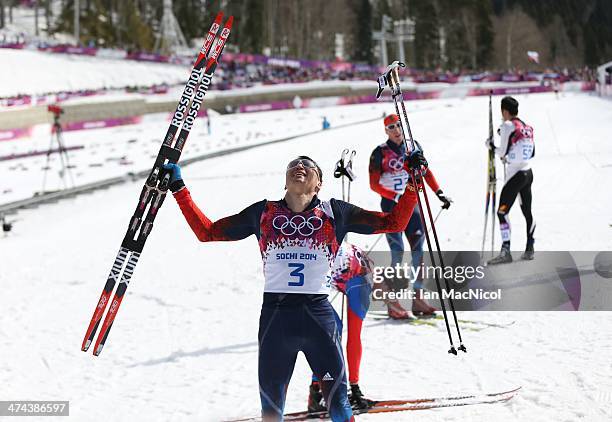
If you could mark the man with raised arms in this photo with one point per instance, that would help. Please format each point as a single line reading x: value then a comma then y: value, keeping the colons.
x: 298, y: 238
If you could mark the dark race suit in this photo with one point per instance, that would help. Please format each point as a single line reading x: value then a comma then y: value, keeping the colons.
x: 292, y: 322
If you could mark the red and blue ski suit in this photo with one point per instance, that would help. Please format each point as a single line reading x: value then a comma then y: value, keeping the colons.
x: 352, y: 275
x: 389, y: 178
x: 296, y: 314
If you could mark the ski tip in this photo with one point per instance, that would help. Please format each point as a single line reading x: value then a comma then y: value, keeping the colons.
x: 98, y: 350
x: 86, y: 345
x: 230, y: 22
x: 219, y: 17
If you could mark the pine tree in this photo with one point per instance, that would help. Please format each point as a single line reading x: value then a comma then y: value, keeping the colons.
x: 2, y: 14
x: 189, y: 16
x: 426, y: 39
x: 363, y: 33
x: 253, y: 27
x: 95, y: 24
x: 484, y: 33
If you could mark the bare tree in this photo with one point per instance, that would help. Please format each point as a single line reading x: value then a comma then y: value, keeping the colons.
x: 48, y: 15
x: 471, y: 36
x: 515, y: 34
x: 1, y: 13
x: 511, y: 19
x: 36, y: 17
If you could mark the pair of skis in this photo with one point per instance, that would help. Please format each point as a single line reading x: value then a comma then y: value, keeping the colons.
x: 386, y: 406
x: 391, y: 79
x: 491, y: 187
x: 157, y: 183
x: 468, y: 324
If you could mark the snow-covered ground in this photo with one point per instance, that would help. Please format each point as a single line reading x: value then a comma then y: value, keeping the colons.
x: 34, y: 72
x: 23, y: 23
x: 117, y: 151
x: 184, y: 345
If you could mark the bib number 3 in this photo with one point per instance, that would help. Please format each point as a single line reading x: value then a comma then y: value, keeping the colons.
x: 297, y: 272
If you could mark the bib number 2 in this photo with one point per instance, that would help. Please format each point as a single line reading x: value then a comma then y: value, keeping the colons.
x: 297, y: 272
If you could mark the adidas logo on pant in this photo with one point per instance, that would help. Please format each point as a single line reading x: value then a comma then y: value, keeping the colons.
x: 327, y: 377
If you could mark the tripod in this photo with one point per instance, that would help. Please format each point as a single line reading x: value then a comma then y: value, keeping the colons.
x: 56, y: 137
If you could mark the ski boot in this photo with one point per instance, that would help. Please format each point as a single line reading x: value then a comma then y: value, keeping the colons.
x: 315, y: 398
x: 397, y: 283
x: 396, y: 311
x: 357, y: 400
x: 420, y: 307
x: 528, y: 255
x: 504, y: 257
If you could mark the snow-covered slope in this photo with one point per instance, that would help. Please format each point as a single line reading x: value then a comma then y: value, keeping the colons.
x: 113, y: 152
x: 184, y: 345
x: 34, y: 72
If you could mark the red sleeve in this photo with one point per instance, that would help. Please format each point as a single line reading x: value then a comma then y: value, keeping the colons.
x: 375, y: 172
x: 431, y: 180
x: 235, y: 227
x: 369, y: 222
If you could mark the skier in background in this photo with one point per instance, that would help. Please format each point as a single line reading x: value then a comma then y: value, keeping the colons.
x: 389, y: 178
x: 326, y: 124
x: 299, y: 237
x: 352, y: 276
x: 516, y: 149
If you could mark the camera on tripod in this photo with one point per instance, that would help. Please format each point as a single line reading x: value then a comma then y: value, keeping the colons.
x: 56, y: 138
x: 7, y: 226
x: 55, y: 109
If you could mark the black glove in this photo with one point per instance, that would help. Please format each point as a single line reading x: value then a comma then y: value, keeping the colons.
x: 416, y: 160
x: 446, y: 201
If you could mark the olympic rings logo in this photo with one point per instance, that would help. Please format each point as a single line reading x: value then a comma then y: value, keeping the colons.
x: 297, y: 224
x: 396, y: 163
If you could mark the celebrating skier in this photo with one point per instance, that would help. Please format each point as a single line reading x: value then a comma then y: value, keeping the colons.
x: 298, y: 237
x: 516, y: 150
x: 352, y: 276
x: 389, y: 178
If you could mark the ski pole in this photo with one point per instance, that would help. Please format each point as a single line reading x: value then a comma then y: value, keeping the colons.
x: 391, y: 77
x: 344, y: 169
x: 433, y: 227
x: 349, y: 170
x: 388, y: 79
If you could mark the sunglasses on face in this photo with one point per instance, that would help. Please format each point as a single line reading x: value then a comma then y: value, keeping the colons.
x: 393, y: 126
x: 306, y: 163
